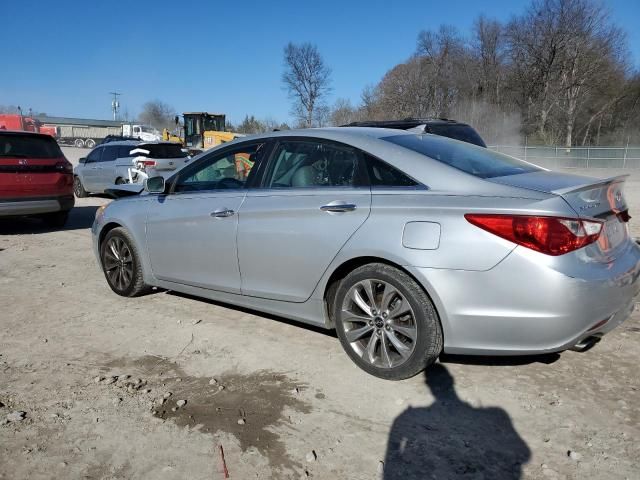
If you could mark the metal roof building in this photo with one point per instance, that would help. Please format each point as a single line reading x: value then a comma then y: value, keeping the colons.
x: 85, y: 122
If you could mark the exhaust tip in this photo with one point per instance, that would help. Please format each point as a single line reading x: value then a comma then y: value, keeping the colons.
x: 586, y: 343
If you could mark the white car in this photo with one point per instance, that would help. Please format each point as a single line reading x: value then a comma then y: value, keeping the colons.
x: 127, y: 161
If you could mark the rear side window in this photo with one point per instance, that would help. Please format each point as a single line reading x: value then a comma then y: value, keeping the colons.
x: 29, y: 146
x: 123, y: 150
x: 382, y: 174
x: 477, y: 161
x: 109, y: 154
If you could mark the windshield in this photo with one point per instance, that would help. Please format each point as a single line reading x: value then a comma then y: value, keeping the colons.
x: 30, y: 146
x: 463, y: 133
x: 214, y: 123
x: 477, y: 161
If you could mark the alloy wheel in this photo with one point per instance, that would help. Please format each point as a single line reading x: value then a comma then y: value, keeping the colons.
x: 379, y: 323
x: 77, y: 187
x: 118, y: 263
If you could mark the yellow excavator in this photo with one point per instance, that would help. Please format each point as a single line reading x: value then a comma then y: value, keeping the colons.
x: 202, y: 131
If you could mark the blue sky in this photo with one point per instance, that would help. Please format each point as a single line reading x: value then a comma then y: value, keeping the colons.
x: 64, y: 57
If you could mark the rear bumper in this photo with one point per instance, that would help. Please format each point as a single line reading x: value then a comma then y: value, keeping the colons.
x: 525, y: 306
x: 14, y: 207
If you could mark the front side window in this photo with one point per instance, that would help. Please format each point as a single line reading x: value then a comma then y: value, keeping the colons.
x: 221, y: 171
x: 94, y: 156
x: 308, y: 164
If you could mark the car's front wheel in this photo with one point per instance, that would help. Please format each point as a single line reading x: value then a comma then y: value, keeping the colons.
x: 121, y: 263
x: 386, y: 322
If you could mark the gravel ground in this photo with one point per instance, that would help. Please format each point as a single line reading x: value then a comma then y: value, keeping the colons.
x: 154, y: 387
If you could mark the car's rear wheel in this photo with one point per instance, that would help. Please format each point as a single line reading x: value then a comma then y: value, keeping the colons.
x: 78, y: 143
x: 386, y: 322
x: 78, y: 188
x: 56, y: 219
x: 121, y: 264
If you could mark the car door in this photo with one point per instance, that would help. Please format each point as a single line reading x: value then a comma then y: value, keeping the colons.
x: 106, y: 167
x: 191, y: 232
x: 90, y: 170
x: 311, y: 201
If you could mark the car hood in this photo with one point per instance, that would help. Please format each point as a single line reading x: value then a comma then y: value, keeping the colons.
x: 124, y: 190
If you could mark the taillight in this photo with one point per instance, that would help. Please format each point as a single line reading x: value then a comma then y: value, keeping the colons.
x: 64, y: 167
x: 549, y: 235
x: 143, y: 164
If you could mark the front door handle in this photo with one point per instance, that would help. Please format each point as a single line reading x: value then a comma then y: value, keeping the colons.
x: 222, y: 213
x: 337, y: 206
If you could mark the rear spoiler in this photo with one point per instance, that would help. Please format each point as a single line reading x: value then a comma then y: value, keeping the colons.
x: 590, y: 185
x: 124, y: 190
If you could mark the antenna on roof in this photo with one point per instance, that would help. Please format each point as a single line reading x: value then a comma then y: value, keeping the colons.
x: 115, y: 104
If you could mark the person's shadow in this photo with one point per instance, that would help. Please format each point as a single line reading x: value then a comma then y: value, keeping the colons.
x: 452, y: 439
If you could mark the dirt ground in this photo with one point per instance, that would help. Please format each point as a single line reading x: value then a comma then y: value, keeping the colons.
x: 100, y: 379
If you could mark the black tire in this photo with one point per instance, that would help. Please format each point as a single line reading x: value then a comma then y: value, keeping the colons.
x: 131, y: 285
x: 90, y: 143
x: 428, y: 342
x: 78, y: 143
x: 120, y: 181
x: 78, y: 188
x: 56, y: 220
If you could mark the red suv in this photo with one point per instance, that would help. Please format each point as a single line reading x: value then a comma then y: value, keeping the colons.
x: 35, y: 178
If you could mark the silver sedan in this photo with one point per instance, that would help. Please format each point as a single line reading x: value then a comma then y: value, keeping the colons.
x: 407, y: 244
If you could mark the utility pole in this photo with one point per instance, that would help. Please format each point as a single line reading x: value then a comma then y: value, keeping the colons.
x: 115, y: 105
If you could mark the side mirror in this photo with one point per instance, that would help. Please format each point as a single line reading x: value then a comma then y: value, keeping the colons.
x: 154, y: 184
x: 83, y: 160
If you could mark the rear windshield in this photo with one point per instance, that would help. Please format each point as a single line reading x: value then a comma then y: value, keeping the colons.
x: 477, y: 161
x: 463, y: 133
x: 164, y: 151
x: 29, y: 146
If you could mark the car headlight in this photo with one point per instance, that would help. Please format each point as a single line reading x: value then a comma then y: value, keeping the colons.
x: 100, y: 212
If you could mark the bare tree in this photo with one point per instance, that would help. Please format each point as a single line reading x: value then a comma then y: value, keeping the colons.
x: 157, y: 114
x: 488, y: 47
x: 307, y: 79
x: 343, y: 113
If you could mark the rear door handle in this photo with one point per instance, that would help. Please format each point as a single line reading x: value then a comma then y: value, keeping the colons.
x: 338, y: 206
x: 222, y: 213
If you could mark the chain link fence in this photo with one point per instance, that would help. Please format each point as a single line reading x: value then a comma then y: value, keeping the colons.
x: 575, y: 157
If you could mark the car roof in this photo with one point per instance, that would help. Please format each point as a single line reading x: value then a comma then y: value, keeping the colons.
x: 344, y: 134
x: 405, y: 123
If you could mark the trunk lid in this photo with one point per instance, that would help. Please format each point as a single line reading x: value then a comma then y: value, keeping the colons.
x: 602, y: 199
